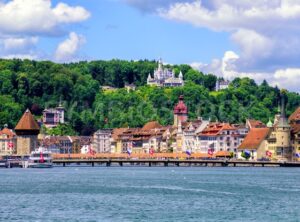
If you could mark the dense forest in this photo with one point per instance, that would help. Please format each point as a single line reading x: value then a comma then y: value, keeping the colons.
x: 42, y: 84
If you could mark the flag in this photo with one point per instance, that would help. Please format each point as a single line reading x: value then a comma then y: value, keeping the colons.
x: 210, y: 151
x: 247, y: 153
x: 10, y: 145
x: 268, y: 153
x: 91, y: 151
x: 188, y: 152
x: 151, y: 151
x: 42, y: 160
x: 297, y: 155
x: 129, y: 151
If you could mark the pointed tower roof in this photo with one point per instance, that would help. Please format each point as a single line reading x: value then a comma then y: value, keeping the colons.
x: 180, y: 108
x: 27, y: 124
x: 269, y: 124
x: 283, y: 120
x: 180, y: 75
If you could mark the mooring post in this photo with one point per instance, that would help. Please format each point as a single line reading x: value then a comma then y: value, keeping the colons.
x: 93, y: 164
x: 64, y: 164
x: 121, y: 163
x: 150, y: 164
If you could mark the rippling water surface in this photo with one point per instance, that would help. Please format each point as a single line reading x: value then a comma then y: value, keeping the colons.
x: 150, y: 194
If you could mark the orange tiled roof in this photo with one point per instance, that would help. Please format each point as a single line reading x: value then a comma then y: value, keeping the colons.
x: 254, y: 138
x: 295, y: 115
x: 7, y: 132
x: 117, y: 131
x: 27, y: 122
x: 151, y: 125
x: 214, y: 129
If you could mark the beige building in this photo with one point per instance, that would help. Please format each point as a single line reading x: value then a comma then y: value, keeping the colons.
x: 279, y: 140
x: 27, y: 131
x: 8, y: 142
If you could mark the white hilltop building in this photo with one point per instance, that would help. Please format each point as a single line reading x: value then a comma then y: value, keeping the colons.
x: 164, y: 77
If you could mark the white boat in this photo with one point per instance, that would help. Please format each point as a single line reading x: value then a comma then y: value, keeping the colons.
x: 40, y: 158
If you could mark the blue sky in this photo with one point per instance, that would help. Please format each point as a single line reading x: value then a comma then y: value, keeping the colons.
x: 118, y: 30
x: 230, y: 38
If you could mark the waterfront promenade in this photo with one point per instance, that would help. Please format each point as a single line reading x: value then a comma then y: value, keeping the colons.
x: 172, y: 162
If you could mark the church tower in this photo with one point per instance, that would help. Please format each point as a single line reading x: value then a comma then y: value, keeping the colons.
x: 180, y: 112
x: 27, y: 130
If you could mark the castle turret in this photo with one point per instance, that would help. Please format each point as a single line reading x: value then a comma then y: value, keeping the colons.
x: 27, y: 130
x: 180, y: 76
x: 180, y: 112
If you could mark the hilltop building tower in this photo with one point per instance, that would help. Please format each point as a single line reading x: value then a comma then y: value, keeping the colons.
x: 180, y: 112
x: 27, y: 131
x: 164, y: 77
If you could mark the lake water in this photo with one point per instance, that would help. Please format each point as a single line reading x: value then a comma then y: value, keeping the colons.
x: 150, y: 194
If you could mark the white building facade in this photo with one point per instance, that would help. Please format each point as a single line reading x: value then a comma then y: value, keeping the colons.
x: 164, y: 77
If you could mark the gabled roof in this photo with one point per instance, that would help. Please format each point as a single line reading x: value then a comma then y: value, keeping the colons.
x: 254, y: 138
x: 214, y: 129
x: 27, y: 122
x: 117, y: 131
x: 7, y: 132
x: 151, y: 125
x: 295, y: 115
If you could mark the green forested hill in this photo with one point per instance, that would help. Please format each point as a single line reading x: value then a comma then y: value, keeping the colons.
x: 38, y: 85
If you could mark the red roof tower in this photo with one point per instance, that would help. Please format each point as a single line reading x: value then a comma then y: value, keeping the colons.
x: 180, y: 111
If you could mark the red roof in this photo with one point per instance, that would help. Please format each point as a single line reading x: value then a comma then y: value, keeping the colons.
x: 295, y: 115
x: 27, y: 122
x: 180, y: 108
x: 214, y: 129
x: 7, y: 132
x: 151, y: 125
x: 254, y: 138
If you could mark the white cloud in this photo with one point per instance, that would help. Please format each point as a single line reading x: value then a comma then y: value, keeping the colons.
x: 266, y: 33
x: 68, y: 49
x: 24, y: 22
x: 19, y: 44
x: 287, y: 78
x: 34, y: 17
